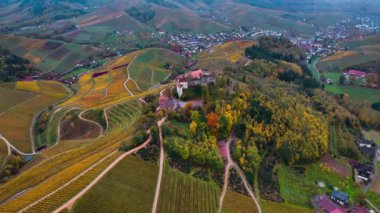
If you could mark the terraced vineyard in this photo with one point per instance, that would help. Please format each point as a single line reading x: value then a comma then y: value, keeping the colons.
x: 71, y: 188
x: 148, y: 68
x: 19, y: 117
x: 123, y: 116
x: 227, y: 54
x: 49, y: 55
x: 181, y: 193
x: 132, y: 180
x: 56, y: 181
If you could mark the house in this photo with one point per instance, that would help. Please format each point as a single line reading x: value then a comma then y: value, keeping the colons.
x: 364, y: 171
x: 365, y: 143
x: 328, y: 206
x: 340, y: 197
x: 365, y: 176
x: 367, y: 147
x: 355, y: 74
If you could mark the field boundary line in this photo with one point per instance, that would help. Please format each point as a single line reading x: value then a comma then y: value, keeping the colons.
x: 162, y: 156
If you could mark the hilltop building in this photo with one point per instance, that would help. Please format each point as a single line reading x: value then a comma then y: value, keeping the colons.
x: 194, y: 78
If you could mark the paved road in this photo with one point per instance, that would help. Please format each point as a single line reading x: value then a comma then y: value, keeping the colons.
x: 162, y: 153
x: 69, y: 204
x: 232, y: 164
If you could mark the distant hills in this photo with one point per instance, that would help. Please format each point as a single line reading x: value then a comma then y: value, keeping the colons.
x: 296, y: 16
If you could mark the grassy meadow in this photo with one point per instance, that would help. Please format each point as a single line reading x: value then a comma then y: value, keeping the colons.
x: 299, y: 189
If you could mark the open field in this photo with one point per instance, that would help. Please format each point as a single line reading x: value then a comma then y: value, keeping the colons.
x: 355, y: 92
x: 299, y: 189
x: 182, y: 193
x: 74, y: 128
x: 148, y: 68
x: 49, y: 55
x: 19, y: 118
x: 359, y: 51
x: 11, y: 97
x: 227, y: 54
x: 133, y: 180
x: 238, y: 203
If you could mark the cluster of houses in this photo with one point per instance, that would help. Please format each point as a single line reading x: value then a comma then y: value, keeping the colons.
x: 365, y: 172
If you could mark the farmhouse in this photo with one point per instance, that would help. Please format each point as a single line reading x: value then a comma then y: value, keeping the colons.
x: 194, y: 78
x: 367, y: 147
x: 364, y: 171
x: 340, y: 197
x: 365, y: 176
x: 355, y: 74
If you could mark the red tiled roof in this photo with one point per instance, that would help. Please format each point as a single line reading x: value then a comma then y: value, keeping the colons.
x: 356, y: 73
x: 196, y: 74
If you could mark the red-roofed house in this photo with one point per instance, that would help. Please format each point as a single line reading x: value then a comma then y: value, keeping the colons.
x: 356, y: 73
x: 196, y: 74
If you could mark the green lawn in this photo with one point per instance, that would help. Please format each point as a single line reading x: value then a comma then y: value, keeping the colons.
x: 299, y: 189
x: 129, y: 187
x: 333, y: 76
x: 77, y: 71
x: 314, y: 70
x: 355, y: 92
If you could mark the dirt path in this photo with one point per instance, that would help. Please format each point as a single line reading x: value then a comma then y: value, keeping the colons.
x: 232, y: 164
x: 162, y: 153
x: 69, y: 204
x: 80, y: 116
x: 375, y: 174
x: 10, y: 146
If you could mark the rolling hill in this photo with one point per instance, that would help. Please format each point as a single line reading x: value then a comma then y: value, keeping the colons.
x: 102, y: 16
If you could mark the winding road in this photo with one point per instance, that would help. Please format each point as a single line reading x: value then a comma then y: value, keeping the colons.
x: 231, y: 164
x: 162, y: 155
